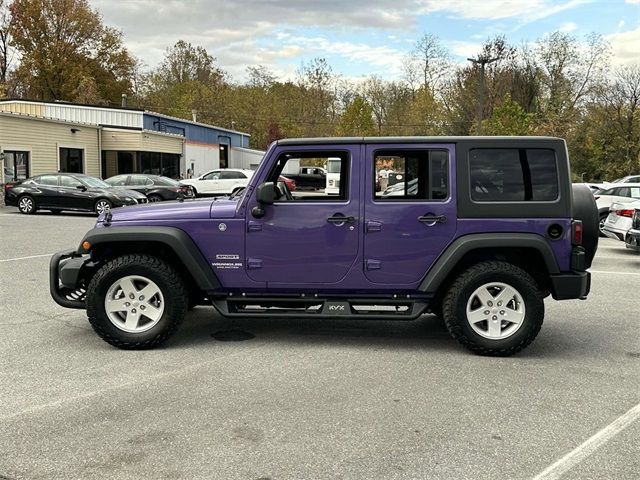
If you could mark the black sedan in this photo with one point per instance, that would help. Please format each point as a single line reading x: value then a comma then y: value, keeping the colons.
x: 67, y: 191
x: 156, y: 187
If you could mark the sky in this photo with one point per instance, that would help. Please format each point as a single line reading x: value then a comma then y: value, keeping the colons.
x: 358, y: 37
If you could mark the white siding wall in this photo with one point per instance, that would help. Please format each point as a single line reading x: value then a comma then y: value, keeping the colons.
x: 43, y: 139
x: 245, y: 158
x: 203, y: 157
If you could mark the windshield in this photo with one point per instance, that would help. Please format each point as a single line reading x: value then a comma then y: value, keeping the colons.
x: 94, y: 182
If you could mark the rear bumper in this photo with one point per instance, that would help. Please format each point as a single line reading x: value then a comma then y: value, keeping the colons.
x: 633, y: 240
x: 64, y: 279
x: 566, y: 286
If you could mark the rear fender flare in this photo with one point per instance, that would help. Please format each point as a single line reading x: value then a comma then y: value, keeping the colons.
x: 463, y: 245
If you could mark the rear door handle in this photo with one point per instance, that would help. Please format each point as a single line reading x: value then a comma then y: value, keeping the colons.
x: 340, y: 219
x: 432, y: 218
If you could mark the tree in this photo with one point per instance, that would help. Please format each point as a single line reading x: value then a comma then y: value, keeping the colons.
x: 5, y: 47
x: 431, y: 59
x: 508, y: 118
x: 61, y: 42
x: 357, y: 120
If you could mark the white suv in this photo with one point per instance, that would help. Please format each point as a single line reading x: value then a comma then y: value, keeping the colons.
x: 222, y: 181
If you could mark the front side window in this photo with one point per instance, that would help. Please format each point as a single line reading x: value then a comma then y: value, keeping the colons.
x: 411, y: 175
x: 119, y: 181
x: 513, y: 175
x: 71, y: 160
x: 308, y: 170
x: 215, y: 175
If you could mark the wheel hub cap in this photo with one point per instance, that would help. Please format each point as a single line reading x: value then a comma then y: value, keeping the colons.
x: 495, y: 310
x: 134, y: 304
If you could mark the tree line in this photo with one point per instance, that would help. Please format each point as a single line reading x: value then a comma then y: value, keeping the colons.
x: 558, y: 85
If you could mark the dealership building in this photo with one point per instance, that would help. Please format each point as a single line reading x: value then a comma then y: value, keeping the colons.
x: 42, y: 137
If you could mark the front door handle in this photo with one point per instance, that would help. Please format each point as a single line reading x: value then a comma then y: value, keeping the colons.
x: 430, y: 218
x: 340, y: 219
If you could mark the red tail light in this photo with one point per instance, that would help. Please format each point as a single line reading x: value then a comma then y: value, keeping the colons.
x: 576, y: 232
x: 627, y: 212
x: 7, y: 186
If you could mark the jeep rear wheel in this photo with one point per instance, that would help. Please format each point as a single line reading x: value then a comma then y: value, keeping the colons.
x: 136, y: 302
x: 494, y: 308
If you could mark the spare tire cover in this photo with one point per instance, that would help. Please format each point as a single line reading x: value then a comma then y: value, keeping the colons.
x: 586, y: 210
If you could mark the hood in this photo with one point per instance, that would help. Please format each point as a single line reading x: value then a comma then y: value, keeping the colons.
x: 189, y: 209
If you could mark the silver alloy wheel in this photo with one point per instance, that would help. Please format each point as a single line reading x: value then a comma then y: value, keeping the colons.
x: 134, y: 304
x: 495, y: 310
x: 154, y: 198
x: 25, y: 204
x: 102, y: 206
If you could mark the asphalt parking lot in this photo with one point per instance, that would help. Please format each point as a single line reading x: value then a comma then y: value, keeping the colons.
x: 311, y: 399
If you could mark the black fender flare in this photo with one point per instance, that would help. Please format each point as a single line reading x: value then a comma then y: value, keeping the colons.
x: 178, y: 240
x: 467, y: 243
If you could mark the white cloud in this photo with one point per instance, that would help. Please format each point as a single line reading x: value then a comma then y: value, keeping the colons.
x: 465, y: 49
x: 632, y: 1
x: 621, y: 23
x: 625, y: 46
x: 498, y: 9
x: 568, y: 27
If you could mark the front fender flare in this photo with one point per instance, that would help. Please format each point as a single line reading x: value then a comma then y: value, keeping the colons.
x: 177, y: 240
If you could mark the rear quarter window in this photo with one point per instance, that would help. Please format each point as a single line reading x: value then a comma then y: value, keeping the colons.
x: 513, y: 175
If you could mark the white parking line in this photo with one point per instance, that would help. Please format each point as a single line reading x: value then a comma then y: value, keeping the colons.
x: 25, y: 258
x: 614, y: 273
x: 585, y: 449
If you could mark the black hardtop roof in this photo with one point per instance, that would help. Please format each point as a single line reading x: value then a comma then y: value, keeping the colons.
x: 389, y: 140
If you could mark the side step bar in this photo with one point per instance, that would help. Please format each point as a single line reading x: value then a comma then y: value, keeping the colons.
x: 380, y: 309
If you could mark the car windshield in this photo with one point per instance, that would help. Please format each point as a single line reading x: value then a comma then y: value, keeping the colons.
x: 165, y: 181
x: 94, y: 182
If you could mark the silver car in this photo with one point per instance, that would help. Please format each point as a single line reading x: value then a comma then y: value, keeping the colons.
x: 620, y: 218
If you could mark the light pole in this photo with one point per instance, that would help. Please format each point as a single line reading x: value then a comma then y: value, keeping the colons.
x: 482, y: 61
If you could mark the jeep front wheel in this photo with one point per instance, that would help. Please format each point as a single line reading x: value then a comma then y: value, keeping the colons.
x: 494, y: 308
x: 136, y: 301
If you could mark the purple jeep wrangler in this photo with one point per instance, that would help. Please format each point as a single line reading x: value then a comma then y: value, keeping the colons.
x: 476, y: 230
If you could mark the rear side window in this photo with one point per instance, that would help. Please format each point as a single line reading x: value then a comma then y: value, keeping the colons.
x: 513, y: 175
x: 48, y: 180
x: 118, y: 181
x: 139, y: 181
x: 231, y: 175
x: 411, y: 175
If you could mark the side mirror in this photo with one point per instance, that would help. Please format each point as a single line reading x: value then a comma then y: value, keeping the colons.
x: 81, y: 187
x: 266, y: 193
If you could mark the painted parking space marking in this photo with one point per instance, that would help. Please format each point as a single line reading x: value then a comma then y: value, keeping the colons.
x: 586, y: 448
x: 614, y: 273
x: 26, y: 258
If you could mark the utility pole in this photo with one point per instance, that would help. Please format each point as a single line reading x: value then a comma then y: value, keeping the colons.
x: 482, y: 61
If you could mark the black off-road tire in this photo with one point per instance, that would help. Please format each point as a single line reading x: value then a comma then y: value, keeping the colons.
x: 455, y: 301
x: 166, y: 278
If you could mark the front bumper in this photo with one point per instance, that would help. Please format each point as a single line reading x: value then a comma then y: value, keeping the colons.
x: 633, y: 239
x: 65, y: 281
x: 566, y: 286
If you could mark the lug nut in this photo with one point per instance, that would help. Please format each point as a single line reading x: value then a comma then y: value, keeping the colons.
x: 487, y: 312
x: 501, y: 312
x: 499, y: 304
x: 132, y: 296
x: 494, y: 317
x: 133, y: 310
x: 141, y: 297
x: 490, y: 303
x: 127, y: 304
x: 141, y: 307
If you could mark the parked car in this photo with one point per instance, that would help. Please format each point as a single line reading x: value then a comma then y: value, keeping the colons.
x: 223, y: 181
x: 618, y: 193
x: 618, y: 223
x: 68, y: 191
x: 155, y: 187
x: 628, y: 179
x: 483, y: 256
x: 632, y: 239
x: 314, y: 178
x: 291, y: 184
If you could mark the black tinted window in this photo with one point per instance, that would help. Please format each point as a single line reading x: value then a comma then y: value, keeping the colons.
x: 229, y: 174
x: 503, y: 175
x: 411, y: 175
